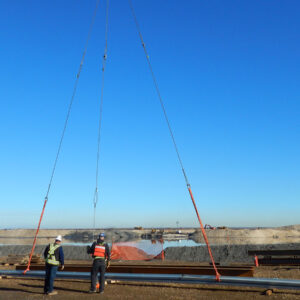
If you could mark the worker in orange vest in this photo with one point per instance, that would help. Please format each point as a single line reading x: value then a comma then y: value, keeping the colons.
x: 101, y: 253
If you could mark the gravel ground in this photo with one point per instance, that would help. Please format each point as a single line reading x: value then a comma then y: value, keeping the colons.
x: 26, y: 288
x: 23, y: 289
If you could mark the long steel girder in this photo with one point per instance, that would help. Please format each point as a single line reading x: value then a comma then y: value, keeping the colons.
x: 157, y: 269
x: 274, y: 252
x: 279, y: 261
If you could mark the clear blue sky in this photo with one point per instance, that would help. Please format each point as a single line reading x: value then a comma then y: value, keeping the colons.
x: 229, y: 75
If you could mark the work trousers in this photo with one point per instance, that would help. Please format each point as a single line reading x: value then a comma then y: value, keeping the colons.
x: 49, y: 278
x: 98, y: 266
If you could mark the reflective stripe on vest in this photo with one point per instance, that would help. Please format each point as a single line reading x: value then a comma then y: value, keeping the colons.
x: 51, y: 260
x: 99, y: 251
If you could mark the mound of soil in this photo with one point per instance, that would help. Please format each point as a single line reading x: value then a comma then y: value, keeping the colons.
x: 224, y: 254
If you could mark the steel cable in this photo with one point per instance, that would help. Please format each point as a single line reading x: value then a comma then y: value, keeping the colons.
x: 100, y: 115
x: 63, y: 131
x: 173, y: 138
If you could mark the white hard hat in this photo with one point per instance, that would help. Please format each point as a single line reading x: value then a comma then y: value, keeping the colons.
x: 58, y: 238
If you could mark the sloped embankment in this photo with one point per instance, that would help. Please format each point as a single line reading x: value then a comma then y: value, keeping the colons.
x: 224, y: 254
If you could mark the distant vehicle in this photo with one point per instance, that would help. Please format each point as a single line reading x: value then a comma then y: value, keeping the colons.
x: 207, y: 226
x: 138, y: 228
x: 222, y: 227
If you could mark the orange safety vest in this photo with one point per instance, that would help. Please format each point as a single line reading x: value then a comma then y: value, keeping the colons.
x: 99, y: 251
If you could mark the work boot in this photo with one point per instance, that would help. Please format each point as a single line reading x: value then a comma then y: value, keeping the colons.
x: 92, y: 291
x: 52, y: 293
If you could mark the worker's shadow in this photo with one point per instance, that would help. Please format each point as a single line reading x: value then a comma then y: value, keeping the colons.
x: 41, y: 287
x: 20, y: 290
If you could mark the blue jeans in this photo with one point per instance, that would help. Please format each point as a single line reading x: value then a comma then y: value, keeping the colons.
x: 99, y: 265
x: 49, y: 279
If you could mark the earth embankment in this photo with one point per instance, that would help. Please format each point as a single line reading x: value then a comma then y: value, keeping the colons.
x: 223, y: 254
x: 245, y: 236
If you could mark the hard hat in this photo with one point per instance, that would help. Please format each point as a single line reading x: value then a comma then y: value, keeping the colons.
x: 102, y: 234
x: 58, y: 238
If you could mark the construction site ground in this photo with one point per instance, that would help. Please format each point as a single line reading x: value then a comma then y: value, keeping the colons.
x: 26, y: 288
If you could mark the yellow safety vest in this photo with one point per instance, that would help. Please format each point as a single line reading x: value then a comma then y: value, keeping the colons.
x: 51, y: 260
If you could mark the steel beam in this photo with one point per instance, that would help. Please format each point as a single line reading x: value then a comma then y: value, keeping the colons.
x: 157, y: 269
x: 274, y: 252
x: 279, y: 261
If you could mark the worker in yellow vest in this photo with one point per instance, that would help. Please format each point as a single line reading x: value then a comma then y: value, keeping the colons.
x: 101, y: 253
x: 54, y: 256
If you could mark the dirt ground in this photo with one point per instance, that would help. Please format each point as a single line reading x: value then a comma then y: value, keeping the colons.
x: 25, y: 288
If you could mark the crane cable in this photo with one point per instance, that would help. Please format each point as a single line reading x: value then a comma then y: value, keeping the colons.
x: 95, y: 200
x: 173, y: 139
x: 63, y: 132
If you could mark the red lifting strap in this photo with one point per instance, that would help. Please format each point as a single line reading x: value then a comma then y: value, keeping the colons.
x: 36, y: 233
x: 204, y: 235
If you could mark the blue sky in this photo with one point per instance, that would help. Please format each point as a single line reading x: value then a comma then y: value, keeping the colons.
x: 228, y: 72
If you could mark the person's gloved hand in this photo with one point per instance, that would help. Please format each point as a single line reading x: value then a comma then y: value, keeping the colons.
x: 108, y: 264
x: 62, y: 267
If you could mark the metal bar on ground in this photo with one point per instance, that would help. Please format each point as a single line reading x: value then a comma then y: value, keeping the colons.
x: 158, y: 269
x: 279, y: 261
x: 171, y: 278
x: 274, y: 252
